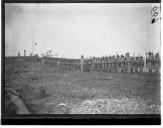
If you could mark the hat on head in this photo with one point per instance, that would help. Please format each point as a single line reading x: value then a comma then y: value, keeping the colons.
x: 149, y: 53
x: 156, y: 54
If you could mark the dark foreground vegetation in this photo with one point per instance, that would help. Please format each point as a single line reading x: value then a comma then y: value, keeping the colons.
x: 45, y: 90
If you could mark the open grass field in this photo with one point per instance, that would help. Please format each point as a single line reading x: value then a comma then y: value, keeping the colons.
x: 44, y: 90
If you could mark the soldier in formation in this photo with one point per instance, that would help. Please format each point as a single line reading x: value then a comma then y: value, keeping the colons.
x: 157, y: 63
x: 149, y: 61
x: 24, y: 52
x: 140, y: 64
x: 18, y: 53
x: 122, y: 64
x: 112, y: 64
x: 153, y: 62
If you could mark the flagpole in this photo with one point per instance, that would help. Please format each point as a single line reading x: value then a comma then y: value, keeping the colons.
x: 32, y: 44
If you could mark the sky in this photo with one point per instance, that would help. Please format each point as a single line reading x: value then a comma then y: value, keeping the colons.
x: 74, y: 29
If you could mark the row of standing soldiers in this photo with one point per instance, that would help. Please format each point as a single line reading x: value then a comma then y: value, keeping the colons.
x: 153, y: 62
x: 63, y: 64
x: 114, y: 64
x: 122, y: 64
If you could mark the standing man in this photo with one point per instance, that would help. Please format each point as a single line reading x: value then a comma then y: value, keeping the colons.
x: 112, y: 64
x: 18, y: 53
x: 103, y: 64
x: 115, y: 64
x: 93, y: 64
x: 128, y: 63
x: 122, y: 64
x: 24, y: 52
x: 157, y: 63
x: 118, y: 64
x: 109, y: 64
x: 137, y: 65
x: 82, y: 63
x: 141, y: 65
x: 132, y: 65
x: 149, y: 62
x: 125, y: 63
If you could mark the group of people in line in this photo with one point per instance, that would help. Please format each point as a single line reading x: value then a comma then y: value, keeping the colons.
x: 110, y: 64
x: 31, y: 54
x: 153, y: 62
x: 123, y: 63
x: 24, y: 53
x: 62, y: 63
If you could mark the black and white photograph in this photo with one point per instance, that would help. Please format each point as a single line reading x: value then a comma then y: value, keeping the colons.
x: 82, y: 58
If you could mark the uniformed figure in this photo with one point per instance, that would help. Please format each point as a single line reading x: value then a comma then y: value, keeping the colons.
x: 85, y: 65
x: 102, y: 64
x: 122, y: 64
x: 89, y: 65
x: 157, y: 63
x: 18, y: 53
x: 82, y: 63
x: 24, y: 52
x: 141, y: 65
x: 128, y: 63
x: 58, y: 65
x: 93, y: 64
x: 125, y: 65
x: 105, y: 64
x: 117, y: 64
x: 43, y: 60
x: 137, y: 65
x: 100, y: 59
x: 109, y: 64
x: 132, y: 65
x: 112, y: 64
x: 98, y: 64
x: 149, y: 62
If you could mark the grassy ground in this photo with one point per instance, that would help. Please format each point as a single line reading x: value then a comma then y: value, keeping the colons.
x: 48, y: 91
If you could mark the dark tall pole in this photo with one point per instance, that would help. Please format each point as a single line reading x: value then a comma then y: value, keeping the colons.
x: 32, y: 43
